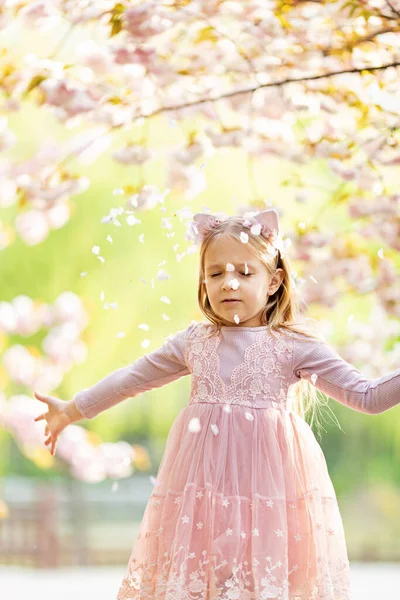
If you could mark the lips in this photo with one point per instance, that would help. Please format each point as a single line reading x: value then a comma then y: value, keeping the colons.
x: 230, y: 301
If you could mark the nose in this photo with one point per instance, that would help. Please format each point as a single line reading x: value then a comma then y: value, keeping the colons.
x: 227, y: 280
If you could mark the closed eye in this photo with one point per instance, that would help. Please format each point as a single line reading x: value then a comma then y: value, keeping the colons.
x: 246, y: 274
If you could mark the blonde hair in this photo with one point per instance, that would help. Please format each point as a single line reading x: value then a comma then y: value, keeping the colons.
x: 281, y: 312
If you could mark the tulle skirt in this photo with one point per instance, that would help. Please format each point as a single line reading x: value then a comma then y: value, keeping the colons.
x: 243, y: 509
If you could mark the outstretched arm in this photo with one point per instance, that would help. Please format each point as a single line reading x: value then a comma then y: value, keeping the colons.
x: 153, y: 370
x: 320, y: 364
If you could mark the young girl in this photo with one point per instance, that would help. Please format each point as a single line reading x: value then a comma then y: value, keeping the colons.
x: 244, y: 507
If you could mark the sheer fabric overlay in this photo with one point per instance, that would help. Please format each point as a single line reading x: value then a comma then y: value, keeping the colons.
x: 244, y: 507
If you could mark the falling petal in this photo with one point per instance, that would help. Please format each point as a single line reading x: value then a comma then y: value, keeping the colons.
x: 246, y: 268
x: 227, y: 408
x: 101, y: 259
x: 215, y: 429
x: 132, y: 220
x: 109, y: 238
x: 230, y: 267
x: 236, y: 318
x: 105, y: 305
x: 349, y: 319
x: 249, y: 416
x: 144, y: 326
x: 121, y: 334
x: 165, y: 317
x: 145, y: 343
x: 118, y: 192
x: 192, y: 249
x: 162, y: 275
x: 165, y: 299
x: 234, y: 283
x: 102, y: 295
x: 380, y: 253
x: 256, y: 229
x: 314, y: 377
x: 194, y: 425
x: 141, y: 238
x: 83, y: 274
x: 96, y: 249
x: 114, y: 305
x: 143, y: 280
x: 244, y: 237
x: 313, y: 278
x: 153, y: 480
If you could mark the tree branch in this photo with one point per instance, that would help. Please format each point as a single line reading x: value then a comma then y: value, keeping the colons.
x: 252, y: 89
x: 177, y: 107
x: 393, y: 9
x: 350, y: 44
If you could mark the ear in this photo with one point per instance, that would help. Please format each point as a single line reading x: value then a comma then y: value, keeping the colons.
x: 201, y: 224
x: 269, y: 220
x: 204, y: 221
x: 276, y: 281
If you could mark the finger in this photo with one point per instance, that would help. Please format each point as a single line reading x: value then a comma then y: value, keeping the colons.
x: 53, y: 448
x: 44, y: 398
x: 46, y: 430
x: 43, y: 416
x: 48, y: 439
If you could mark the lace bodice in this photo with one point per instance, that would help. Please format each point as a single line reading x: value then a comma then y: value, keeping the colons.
x: 243, y: 365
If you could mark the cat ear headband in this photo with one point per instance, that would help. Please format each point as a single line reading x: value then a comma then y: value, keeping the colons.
x: 265, y: 223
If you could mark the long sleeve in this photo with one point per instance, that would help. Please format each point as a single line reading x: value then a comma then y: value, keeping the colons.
x: 340, y: 380
x: 153, y: 370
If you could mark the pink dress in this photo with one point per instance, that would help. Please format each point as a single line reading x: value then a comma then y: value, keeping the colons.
x: 244, y: 508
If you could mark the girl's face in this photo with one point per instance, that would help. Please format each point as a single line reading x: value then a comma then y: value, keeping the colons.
x: 232, y: 270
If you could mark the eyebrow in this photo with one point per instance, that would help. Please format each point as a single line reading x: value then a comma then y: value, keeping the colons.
x: 216, y: 266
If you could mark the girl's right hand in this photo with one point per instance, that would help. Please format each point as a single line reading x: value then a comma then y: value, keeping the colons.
x: 59, y: 415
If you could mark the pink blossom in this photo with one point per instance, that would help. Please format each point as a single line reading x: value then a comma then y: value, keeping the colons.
x: 132, y: 155
x: 146, y: 20
x: 32, y: 226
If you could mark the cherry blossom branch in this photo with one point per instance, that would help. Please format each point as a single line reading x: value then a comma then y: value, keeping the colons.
x: 393, y: 9
x: 350, y: 44
x: 250, y: 90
